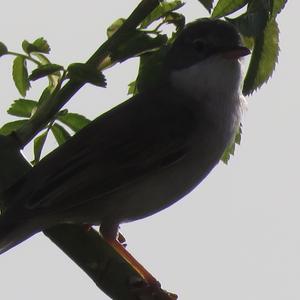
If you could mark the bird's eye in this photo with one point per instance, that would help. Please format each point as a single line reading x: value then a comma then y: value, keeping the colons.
x: 199, y: 45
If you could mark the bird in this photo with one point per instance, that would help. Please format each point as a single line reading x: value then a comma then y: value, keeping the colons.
x: 144, y: 154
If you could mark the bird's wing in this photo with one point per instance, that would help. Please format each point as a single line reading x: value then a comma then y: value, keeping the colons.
x: 132, y: 140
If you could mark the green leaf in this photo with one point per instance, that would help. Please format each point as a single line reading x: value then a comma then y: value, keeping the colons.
x: 60, y: 133
x: 26, y: 46
x: 257, y: 5
x: 85, y: 73
x: 264, y: 58
x: 132, y: 89
x: 39, y: 45
x: 278, y: 6
x: 63, y: 112
x: 208, y: 4
x: 20, y: 75
x: 226, y: 7
x: 23, y: 108
x: 53, y: 78
x: 74, y: 121
x: 162, y: 10
x: 46, y: 94
x: 248, y: 42
x: 114, y: 27
x: 251, y: 24
x: 3, y: 49
x: 8, y: 128
x: 138, y: 43
x: 254, y: 21
x: 229, y: 151
x: 151, y: 71
x: 45, y: 70
x: 38, y: 145
x: 44, y: 60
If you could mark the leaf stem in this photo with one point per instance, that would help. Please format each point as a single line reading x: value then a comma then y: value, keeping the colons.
x: 28, y: 57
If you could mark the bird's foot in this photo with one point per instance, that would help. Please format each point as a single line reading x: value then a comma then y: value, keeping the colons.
x: 145, y: 287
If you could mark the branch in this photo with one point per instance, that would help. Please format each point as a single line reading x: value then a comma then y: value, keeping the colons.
x: 48, y: 109
x: 110, y: 272
x: 98, y: 260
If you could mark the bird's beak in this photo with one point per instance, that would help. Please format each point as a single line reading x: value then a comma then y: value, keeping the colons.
x: 236, y: 52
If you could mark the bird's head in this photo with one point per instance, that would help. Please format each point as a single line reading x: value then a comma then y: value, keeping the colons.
x: 202, y: 39
x: 204, y: 58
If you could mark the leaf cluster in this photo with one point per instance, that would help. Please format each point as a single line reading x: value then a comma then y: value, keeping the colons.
x: 24, y: 108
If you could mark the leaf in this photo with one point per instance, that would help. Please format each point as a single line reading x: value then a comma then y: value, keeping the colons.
x: 132, y: 89
x: 42, y: 58
x: 114, y: 27
x: 163, y: 9
x: 278, y: 6
x: 229, y: 151
x: 39, y: 45
x: 151, y: 71
x: 85, y: 73
x: 74, y: 121
x: 26, y: 46
x: 208, y: 4
x: 46, y: 94
x: 63, y: 112
x: 8, y: 128
x: 256, y: 5
x: 248, y: 42
x: 250, y: 24
x: 38, y: 145
x: 3, y: 49
x: 60, y: 133
x: 226, y: 7
x: 20, y: 75
x: 45, y: 70
x: 23, y: 108
x: 53, y: 78
x: 264, y: 58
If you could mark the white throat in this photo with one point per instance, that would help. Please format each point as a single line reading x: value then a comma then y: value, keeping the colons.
x: 216, y: 83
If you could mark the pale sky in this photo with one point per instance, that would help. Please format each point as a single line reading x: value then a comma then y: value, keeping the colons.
x: 234, y: 237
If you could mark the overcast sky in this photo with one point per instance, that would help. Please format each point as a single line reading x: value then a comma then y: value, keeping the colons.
x: 236, y: 237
